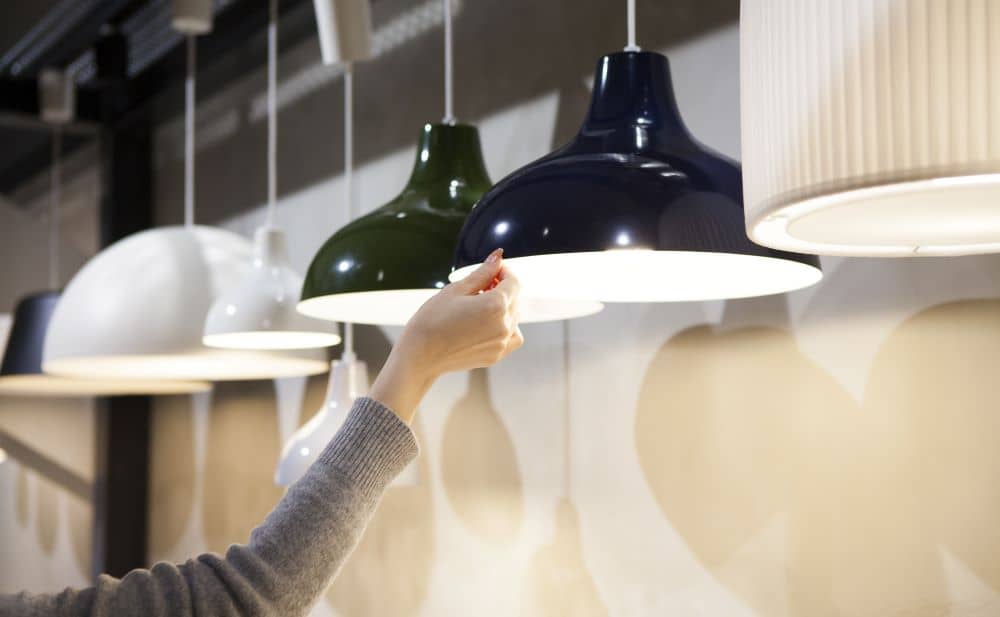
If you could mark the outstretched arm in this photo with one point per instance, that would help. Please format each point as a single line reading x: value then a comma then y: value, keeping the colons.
x: 293, y: 555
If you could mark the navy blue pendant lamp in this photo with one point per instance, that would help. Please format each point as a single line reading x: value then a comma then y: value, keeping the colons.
x: 633, y: 209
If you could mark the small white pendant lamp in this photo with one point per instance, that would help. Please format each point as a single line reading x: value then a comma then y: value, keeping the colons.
x: 348, y: 381
x: 259, y: 312
x: 872, y: 127
x: 137, y: 310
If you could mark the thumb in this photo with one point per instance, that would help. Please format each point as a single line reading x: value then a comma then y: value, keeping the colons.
x: 481, y: 278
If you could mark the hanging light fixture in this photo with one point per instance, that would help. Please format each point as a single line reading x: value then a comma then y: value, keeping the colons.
x: 259, y: 312
x: 21, y: 370
x: 138, y: 309
x: 633, y: 209
x: 870, y: 127
x: 380, y: 268
x: 348, y: 381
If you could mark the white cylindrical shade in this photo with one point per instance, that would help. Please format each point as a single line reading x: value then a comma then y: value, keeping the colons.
x: 137, y: 311
x: 345, y: 30
x: 872, y: 127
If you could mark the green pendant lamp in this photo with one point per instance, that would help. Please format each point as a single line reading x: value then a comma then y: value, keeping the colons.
x: 380, y: 268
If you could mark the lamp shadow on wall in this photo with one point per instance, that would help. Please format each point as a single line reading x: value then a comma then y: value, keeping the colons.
x: 771, y: 471
x: 389, y: 571
x: 39, y: 503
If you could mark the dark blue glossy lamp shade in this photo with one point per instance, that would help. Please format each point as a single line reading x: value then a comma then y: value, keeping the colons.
x: 634, y: 209
x: 23, y: 355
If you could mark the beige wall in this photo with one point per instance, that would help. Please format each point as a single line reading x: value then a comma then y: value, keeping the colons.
x: 831, y: 452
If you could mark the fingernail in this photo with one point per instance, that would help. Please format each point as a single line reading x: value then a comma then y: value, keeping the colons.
x: 494, y: 256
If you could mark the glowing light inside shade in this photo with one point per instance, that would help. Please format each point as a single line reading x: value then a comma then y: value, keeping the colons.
x: 271, y: 339
x: 204, y: 364
x: 52, y: 385
x: 394, y: 308
x: 3, y: 456
x: 655, y: 276
x: 939, y: 216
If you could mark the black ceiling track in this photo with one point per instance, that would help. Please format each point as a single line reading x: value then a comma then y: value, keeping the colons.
x: 67, y: 37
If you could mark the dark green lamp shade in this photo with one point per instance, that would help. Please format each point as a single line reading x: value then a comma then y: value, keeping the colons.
x: 382, y: 267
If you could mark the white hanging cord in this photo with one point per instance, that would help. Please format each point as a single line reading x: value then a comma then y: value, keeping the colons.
x: 567, y: 458
x: 348, y: 179
x: 631, y: 27
x: 54, y: 197
x: 449, y: 105
x: 189, y: 133
x: 272, y: 114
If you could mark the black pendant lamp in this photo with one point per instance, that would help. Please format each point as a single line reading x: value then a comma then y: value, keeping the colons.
x: 633, y: 209
x: 380, y: 268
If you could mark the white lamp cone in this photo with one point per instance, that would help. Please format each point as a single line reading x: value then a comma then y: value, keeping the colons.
x: 348, y: 381
x: 137, y: 311
x: 192, y: 16
x: 259, y: 312
x: 871, y: 127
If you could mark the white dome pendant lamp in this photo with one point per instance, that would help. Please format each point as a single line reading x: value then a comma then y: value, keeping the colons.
x: 259, y: 312
x: 872, y: 127
x: 137, y: 310
x: 21, y: 369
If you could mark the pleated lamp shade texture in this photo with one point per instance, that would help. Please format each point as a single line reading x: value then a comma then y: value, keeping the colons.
x: 633, y: 209
x: 138, y: 308
x: 872, y: 127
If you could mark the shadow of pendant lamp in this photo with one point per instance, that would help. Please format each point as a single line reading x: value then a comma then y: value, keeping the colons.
x: 137, y: 309
x: 633, y: 209
x: 380, y: 268
x: 21, y: 369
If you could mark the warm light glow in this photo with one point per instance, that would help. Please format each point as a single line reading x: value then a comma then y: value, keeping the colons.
x: 939, y: 216
x: 3, y: 456
x: 276, y: 339
x: 394, y: 308
x: 215, y: 365
x: 52, y: 385
x: 655, y: 276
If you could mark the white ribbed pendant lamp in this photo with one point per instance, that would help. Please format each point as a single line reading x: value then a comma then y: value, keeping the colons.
x: 138, y: 309
x: 259, y: 312
x: 872, y: 127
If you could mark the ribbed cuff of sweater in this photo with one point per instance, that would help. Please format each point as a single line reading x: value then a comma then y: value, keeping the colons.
x: 372, y: 447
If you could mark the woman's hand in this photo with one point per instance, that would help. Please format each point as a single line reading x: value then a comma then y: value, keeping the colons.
x: 471, y: 323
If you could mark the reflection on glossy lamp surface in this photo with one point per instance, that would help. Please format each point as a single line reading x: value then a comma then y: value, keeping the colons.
x: 633, y: 209
x: 380, y: 268
x: 136, y: 311
x: 21, y: 371
x: 878, y: 133
x: 348, y: 381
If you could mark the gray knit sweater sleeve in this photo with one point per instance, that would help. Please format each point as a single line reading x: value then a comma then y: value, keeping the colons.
x: 290, y: 558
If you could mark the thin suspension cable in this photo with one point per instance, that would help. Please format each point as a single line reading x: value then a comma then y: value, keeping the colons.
x: 189, y: 133
x: 631, y: 27
x: 54, y: 198
x: 272, y: 115
x: 348, y: 179
x: 567, y: 458
x: 449, y: 88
